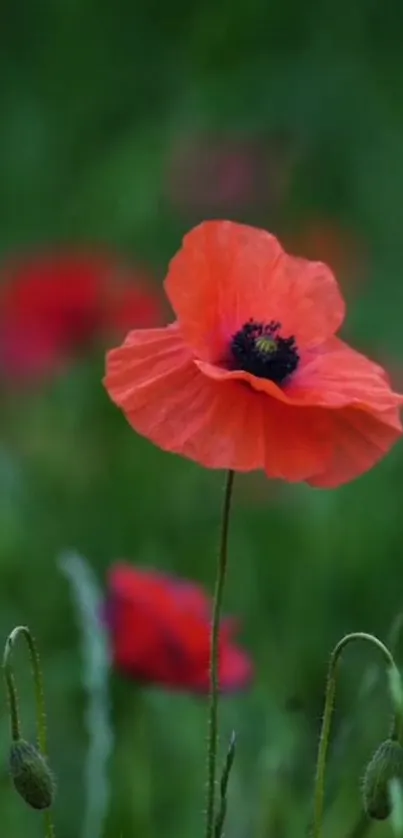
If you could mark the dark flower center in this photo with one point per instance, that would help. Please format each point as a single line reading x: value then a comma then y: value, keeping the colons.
x: 258, y: 348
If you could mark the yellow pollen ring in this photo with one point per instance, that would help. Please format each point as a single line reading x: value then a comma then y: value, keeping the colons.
x: 266, y: 344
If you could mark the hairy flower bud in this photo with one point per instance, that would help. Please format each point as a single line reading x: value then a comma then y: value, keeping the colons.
x: 32, y: 778
x: 385, y: 765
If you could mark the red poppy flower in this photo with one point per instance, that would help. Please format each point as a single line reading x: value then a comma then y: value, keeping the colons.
x: 51, y: 304
x: 160, y: 632
x: 251, y: 374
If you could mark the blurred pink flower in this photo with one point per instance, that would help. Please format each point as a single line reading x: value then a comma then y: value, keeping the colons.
x: 209, y: 173
x: 53, y: 304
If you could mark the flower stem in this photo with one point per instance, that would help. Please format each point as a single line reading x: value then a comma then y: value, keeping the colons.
x: 15, y: 724
x: 222, y: 809
x: 49, y: 827
x: 39, y: 699
x: 328, y: 713
x: 214, y: 659
x: 37, y: 675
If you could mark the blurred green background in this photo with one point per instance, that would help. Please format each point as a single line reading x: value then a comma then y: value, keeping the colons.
x: 122, y: 125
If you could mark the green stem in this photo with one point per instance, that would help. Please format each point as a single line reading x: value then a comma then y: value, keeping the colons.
x: 49, y: 827
x: 222, y: 809
x: 39, y: 699
x: 38, y: 682
x: 328, y: 713
x: 214, y: 659
x: 15, y: 723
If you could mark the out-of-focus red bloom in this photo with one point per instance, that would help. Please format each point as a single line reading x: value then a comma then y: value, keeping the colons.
x: 160, y: 630
x: 52, y: 304
x: 326, y: 241
x: 252, y: 375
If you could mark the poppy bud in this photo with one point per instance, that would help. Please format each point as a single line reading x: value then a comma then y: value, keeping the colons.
x: 31, y: 775
x: 385, y: 765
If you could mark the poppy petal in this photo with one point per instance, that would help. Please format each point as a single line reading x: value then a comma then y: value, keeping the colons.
x: 147, y: 644
x: 337, y: 376
x: 192, y: 599
x: 227, y: 273
x: 333, y: 376
x: 359, y: 441
x: 220, y: 424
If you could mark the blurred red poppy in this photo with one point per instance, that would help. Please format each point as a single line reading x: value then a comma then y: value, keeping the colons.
x: 160, y: 632
x: 329, y: 242
x: 252, y: 375
x: 51, y: 304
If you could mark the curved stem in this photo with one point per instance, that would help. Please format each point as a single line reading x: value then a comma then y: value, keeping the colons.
x: 214, y: 659
x: 395, y: 632
x: 328, y: 713
x: 37, y: 675
x: 15, y: 724
x: 39, y: 699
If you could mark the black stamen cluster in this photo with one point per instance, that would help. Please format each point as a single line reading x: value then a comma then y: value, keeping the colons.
x: 275, y: 361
